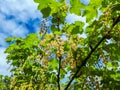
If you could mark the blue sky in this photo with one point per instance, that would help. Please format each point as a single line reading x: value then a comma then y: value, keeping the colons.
x: 19, y: 18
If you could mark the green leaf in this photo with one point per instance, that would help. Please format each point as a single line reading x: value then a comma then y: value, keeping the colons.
x: 58, y: 32
x: 55, y: 6
x: 66, y: 47
x: 115, y: 7
x: 76, y: 6
x: 42, y: 3
x: 46, y: 12
x: 89, y: 13
x: 21, y: 81
x: 53, y: 28
x: 95, y: 3
x: 48, y: 7
x: 75, y: 30
x: 109, y: 64
x: 115, y: 64
x: 105, y: 3
x: 10, y: 39
x: 53, y: 64
x: 78, y: 29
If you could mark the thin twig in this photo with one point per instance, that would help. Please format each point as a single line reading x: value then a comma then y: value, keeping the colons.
x: 59, y: 73
x: 83, y: 63
x: 89, y: 55
x: 58, y: 76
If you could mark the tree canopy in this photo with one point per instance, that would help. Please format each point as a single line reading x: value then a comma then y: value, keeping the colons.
x: 61, y: 57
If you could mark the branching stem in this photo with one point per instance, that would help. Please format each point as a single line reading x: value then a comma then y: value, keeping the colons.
x: 59, y: 66
x: 89, y: 55
x: 59, y: 73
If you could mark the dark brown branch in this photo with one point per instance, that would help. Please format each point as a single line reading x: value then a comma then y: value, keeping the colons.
x: 58, y: 23
x: 89, y: 55
x: 84, y: 62
x: 117, y: 20
x: 59, y: 66
x: 91, y: 47
x: 58, y: 76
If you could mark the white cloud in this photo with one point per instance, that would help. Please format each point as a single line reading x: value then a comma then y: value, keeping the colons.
x: 4, y: 67
x: 11, y: 28
x: 20, y: 11
x: 71, y: 18
x: 2, y: 39
x: 14, y: 14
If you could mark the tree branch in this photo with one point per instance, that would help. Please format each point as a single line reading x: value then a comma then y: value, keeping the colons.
x: 89, y: 55
x: 59, y: 73
x: 84, y: 62
x: 59, y: 66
